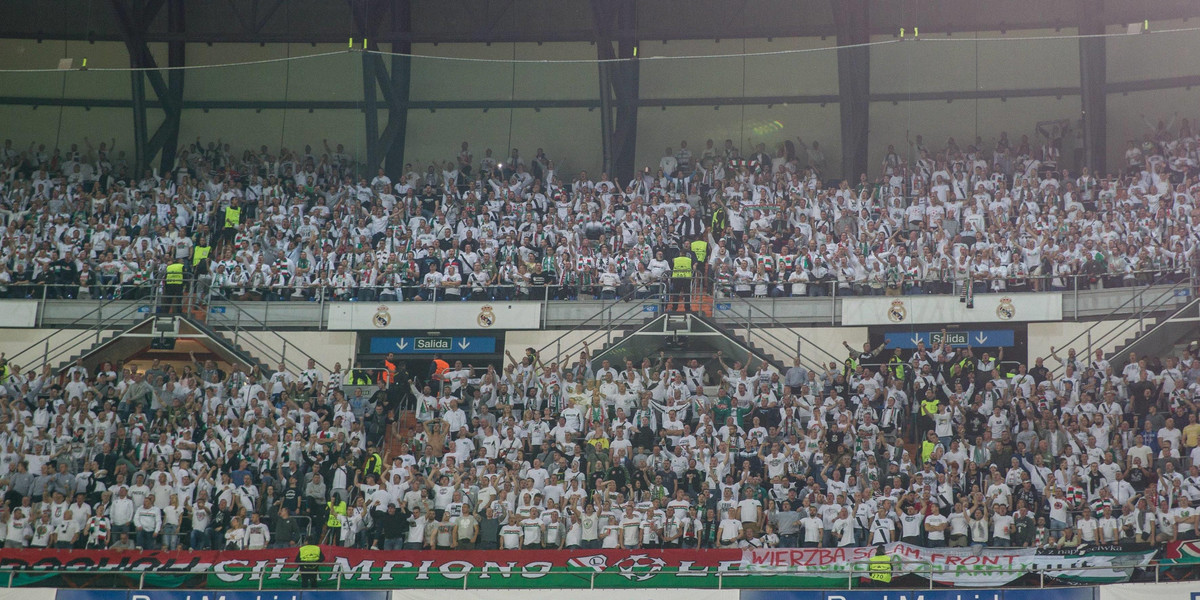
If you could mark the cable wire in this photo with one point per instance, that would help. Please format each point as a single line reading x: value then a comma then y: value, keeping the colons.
x: 618, y: 60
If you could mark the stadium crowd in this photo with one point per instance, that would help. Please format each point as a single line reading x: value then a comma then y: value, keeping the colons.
x: 300, y: 224
x: 655, y: 454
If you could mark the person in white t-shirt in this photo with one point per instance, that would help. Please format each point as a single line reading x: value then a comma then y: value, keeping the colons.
x: 883, y: 528
x: 631, y: 528
x: 1185, y: 518
x: 510, y: 535
x: 1087, y: 526
x: 936, y: 527
x: 814, y: 529
x: 910, y: 525
x: 843, y: 529
x: 1002, y: 527
x: 1108, y: 526
x: 729, y: 531
x: 1059, y: 517
x: 751, y: 512
x: 959, y: 528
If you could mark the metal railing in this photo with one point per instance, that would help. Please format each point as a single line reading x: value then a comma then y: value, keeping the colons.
x: 779, y: 344
x: 149, y: 300
x: 255, y: 345
x: 600, y: 326
x: 830, y: 287
x: 98, y: 323
x: 1078, y: 304
x: 1162, y: 299
x: 332, y: 576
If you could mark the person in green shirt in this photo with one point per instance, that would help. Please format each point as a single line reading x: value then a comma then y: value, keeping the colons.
x: 723, y: 407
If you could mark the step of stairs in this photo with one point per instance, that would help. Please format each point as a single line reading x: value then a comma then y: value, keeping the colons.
x: 403, y: 429
x: 703, y: 304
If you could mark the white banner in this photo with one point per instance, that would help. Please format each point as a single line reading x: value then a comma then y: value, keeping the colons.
x: 1144, y: 591
x: 434, y: 316
x: 961, y: 567
x: 925, y: 310
x: 18, y: 313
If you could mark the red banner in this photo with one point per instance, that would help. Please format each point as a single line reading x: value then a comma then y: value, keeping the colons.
x: 1182, y: 553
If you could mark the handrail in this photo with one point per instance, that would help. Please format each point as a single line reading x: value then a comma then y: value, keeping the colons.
x: 254, y: 344
x: 1116, y: 332
x: 261, y: 347
x: 614, y: 322
x: 777, y: 323
x: 66, y: 346
x: 1140, y: 314
x: 627, y: 297
x: 98, y: 325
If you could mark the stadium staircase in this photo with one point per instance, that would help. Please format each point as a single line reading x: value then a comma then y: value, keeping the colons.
x: 109, y: 320
x: 1167, y: 313
x: 248, y: 343
x: 773, y: 335
x: 1175, y: 330
x: 632, y: 330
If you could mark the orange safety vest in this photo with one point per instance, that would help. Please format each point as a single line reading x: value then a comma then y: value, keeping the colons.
x: 440, y: 367
x: 389, y: 372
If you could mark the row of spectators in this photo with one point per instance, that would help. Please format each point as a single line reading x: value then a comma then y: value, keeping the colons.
x: 299, y: 224
x: 661, y: 453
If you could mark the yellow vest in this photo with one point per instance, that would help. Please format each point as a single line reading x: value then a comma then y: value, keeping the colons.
x: 233, y: 216
x: 929, y: 407
x: 700, y: 249
x: 375, y: 464
x: 681, y: 266
x: 334, y: 511
x: 880, y: 568
x: 200, y: 253
x: 927, y: 448
x: 310, y: 553
x: 175, y: 274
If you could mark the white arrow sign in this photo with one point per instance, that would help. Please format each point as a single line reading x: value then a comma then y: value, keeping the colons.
x: 916, y: 339
x: 463, y: 344
x: 980, y: 339
x: 402, y: 344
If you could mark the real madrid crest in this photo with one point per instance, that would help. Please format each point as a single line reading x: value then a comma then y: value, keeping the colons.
x: 487, y: 317
x: 382, y: 317
x: 897, y: 313
x: 1006, y: 310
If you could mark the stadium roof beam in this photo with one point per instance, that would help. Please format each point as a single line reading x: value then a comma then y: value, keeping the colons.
x: 1093, y: 84
x: 619, y: 87
x: 395, y: 85
x: 1112, y: 88
x: 134, y: 17
x: 854, y: 82
x: 463, y: 21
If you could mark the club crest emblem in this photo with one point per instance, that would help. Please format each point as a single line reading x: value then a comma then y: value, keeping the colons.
x: 486, y: 318
x: 382, y: 317
x: 1006, y: 310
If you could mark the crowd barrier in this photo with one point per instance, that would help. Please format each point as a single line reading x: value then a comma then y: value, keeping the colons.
x: 789, y: 569
x: 1115, y: 592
